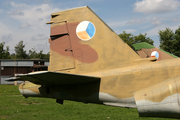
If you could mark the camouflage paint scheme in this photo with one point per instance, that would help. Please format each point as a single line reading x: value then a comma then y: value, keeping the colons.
x: 145, y: 50
x: 103, y: 70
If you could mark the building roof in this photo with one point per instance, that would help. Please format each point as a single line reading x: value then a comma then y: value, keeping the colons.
x: 45, y: 60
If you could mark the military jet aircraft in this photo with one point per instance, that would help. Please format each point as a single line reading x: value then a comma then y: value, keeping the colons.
x: 90, y: 63
x: 145, y: 50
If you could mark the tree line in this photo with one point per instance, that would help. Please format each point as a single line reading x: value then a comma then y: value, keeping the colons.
x: 169, y: 41
x: 20, y: 52
x: 130, y: 39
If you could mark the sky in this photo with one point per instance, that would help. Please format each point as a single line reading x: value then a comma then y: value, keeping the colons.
x: 26, y: 19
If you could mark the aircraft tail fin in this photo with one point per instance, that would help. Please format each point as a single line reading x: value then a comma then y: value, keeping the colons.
x: 81, y: 42
x: 145, y: 50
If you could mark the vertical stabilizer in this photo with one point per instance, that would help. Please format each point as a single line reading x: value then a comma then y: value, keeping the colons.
x: 145, y: 50
x: 81, y: 42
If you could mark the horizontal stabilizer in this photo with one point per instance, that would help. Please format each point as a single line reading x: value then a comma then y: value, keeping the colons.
x: 54, y: 78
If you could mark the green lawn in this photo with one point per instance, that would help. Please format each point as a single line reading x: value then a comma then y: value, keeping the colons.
x: 15, y: 107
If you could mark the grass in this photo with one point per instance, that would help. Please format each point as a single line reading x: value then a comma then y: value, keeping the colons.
x: 13, y: 106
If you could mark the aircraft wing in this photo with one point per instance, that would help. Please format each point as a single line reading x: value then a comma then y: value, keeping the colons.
x: 54, y: 78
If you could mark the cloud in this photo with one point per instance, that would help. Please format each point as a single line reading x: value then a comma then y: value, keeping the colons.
x: 4, y: 29
x: 176, y: 19
x: 130, y: 30
x: 16, y: 13
x: 17, y: 5
x: 155, y: 31
x: 28, y: 24
x: 25, y: 25
x: 39, y: 10
x: 137, y: 21
x: 34, y: 15
x: 41, y: 19
x: 40, y: 37
x: 155, y: 21
x: 7, y: 38
x: 44, y: 47
x: 1, y: 11
x: 156, y: 6
x: 117, y: 23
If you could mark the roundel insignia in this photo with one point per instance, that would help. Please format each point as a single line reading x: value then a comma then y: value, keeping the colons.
x: 155, y: 54
x: 85, y: 30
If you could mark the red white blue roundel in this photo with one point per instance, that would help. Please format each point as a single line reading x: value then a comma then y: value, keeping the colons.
x: 155, y: 54
x: 85, y: 30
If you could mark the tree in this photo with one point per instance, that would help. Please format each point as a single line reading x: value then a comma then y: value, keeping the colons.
x: 13, y: 56
x: 166, y: 40
x: 142, y: 38
x: 41, y: 55
x: 46, y: 56
x: 130, y: 39
x: 4, y: 54
x: 176, y: 42
x: 33, y: 54
x: 20, y: 52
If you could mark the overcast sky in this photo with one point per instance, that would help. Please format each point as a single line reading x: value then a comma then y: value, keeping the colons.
x: 25, y: 19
